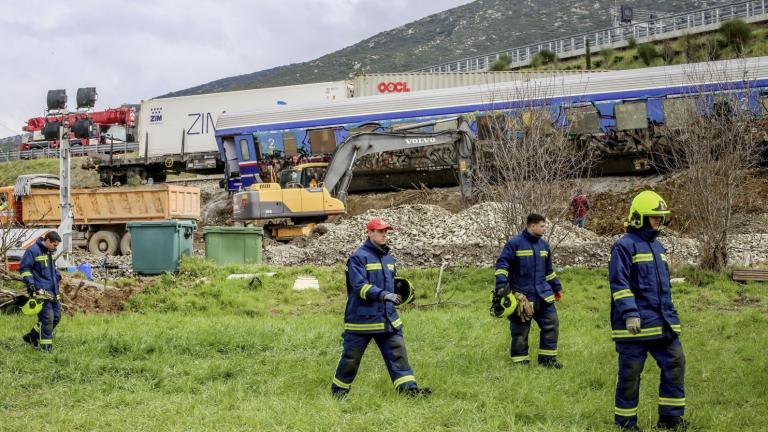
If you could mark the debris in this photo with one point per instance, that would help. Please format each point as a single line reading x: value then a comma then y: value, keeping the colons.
x: 428, y: 235
x: 306, y: 282
x: 250, y: 275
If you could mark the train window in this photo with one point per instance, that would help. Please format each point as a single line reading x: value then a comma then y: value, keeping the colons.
x: 583, y: 120
x: 537, y: 119
x: 289, y: 144
x: 322, y: 141
x: 364, y: 128
x: 490, y: 127
x: 631, y: 115
x: 244, y: 150
x: 445, y: 125
x: 762, y: 100
x: 678, y: 111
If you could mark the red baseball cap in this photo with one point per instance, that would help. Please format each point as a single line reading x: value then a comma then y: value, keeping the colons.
x: 378, y: 224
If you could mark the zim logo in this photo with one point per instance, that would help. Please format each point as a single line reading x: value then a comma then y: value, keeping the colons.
x: 155, y: 115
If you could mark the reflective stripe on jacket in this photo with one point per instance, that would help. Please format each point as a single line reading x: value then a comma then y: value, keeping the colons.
x: 640, y: 287
x: 370, y: 275
x: 525, y: 264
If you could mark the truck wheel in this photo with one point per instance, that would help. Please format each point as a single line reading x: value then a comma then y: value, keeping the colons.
x: 125, y: 244
x: 104, y: 243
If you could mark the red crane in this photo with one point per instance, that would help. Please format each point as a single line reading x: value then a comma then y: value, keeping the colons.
x: 125, y: 116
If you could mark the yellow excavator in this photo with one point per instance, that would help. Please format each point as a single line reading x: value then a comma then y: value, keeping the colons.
x: 310, y: 193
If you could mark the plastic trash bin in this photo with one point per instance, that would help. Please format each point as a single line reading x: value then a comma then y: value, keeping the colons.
x: 157, y: 247
x: 233, y: 245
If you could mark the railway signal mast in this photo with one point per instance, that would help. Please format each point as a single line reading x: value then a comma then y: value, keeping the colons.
x: 57, y: 127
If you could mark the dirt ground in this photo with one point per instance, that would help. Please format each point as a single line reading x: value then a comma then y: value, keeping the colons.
x: 82, y: 296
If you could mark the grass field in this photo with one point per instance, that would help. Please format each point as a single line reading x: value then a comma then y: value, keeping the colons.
x: 80, y: 177
x: 200, y: 353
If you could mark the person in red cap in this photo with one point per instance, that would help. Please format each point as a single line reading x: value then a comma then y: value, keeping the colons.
x: 371, y: 314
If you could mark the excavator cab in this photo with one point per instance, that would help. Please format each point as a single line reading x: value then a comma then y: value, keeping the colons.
x: 309, y: 175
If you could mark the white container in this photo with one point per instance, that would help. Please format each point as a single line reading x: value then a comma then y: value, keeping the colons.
x: 392, y: 83
x: 164, y: 121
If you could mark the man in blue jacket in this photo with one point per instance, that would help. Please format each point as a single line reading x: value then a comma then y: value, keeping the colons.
x: 38, y: 270
x: 525, y: 267
x: 643, y: 317
x: 371, y: 314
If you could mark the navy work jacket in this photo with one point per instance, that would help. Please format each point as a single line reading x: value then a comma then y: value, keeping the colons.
x: 39, y: 269
x: 525, y: 265
x: 370, y: 276
x: 640, y: 287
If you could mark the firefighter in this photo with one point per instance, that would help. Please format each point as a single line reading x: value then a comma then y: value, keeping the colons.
x: 643, y: 317
x: 38, y: 270
x: 370, y: 314
x: 525, y: 269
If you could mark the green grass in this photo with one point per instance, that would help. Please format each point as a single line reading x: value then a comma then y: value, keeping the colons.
x: 200, y: 353
x: 80, y: 178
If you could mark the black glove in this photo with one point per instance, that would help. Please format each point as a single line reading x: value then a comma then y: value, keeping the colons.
x: 394, y: 298
x: 31, y: 288
x: 502, y: 291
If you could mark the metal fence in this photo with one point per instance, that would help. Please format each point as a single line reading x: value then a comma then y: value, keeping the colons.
x: 667, y: 27
x: 48, y: 152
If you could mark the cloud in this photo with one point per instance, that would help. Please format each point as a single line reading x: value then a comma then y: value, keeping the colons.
x: 141, y: 49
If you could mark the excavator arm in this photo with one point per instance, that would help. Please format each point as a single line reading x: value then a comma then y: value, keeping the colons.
x: 339, y: 173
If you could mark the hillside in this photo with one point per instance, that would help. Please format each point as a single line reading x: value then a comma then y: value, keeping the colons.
x: 475, y: 28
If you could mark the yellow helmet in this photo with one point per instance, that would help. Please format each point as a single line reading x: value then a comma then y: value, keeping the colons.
x: 404, y: 288
x: 647, y: 203
x: 30, y: 305
x: 502, y: 307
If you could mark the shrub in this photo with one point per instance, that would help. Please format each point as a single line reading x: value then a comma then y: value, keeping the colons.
x: 737, y: 34
x: 502, y: 63
x: 607, y: 54
x: 632, y: 43
x: 647, y: 53
x: 544, y: 57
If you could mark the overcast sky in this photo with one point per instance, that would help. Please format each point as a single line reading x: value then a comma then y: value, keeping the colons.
x: 138, y: 49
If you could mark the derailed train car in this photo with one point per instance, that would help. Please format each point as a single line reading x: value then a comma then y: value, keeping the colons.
x: 624, y: 113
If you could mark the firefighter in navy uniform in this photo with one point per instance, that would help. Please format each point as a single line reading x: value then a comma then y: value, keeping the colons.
x: 643, y: 317
x: 525, y: 268
x: 370, y: 314
x: 38, y: 270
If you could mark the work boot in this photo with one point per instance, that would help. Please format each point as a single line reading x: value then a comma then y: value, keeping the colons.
x: 30, y: 339
x: 339, y: 393
x: 522, y: 363
x: 417, y: 391
x: 550, y: 363
x: 675, y: 423
x: 632, y: 428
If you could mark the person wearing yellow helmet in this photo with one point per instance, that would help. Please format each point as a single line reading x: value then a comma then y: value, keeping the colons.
x: 643, y: 318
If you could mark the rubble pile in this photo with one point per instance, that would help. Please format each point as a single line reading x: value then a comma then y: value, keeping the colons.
x: 428, y: 235
x: 116, y: 266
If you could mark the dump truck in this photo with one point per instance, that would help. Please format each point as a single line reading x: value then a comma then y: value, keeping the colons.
x: 101, y: 214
